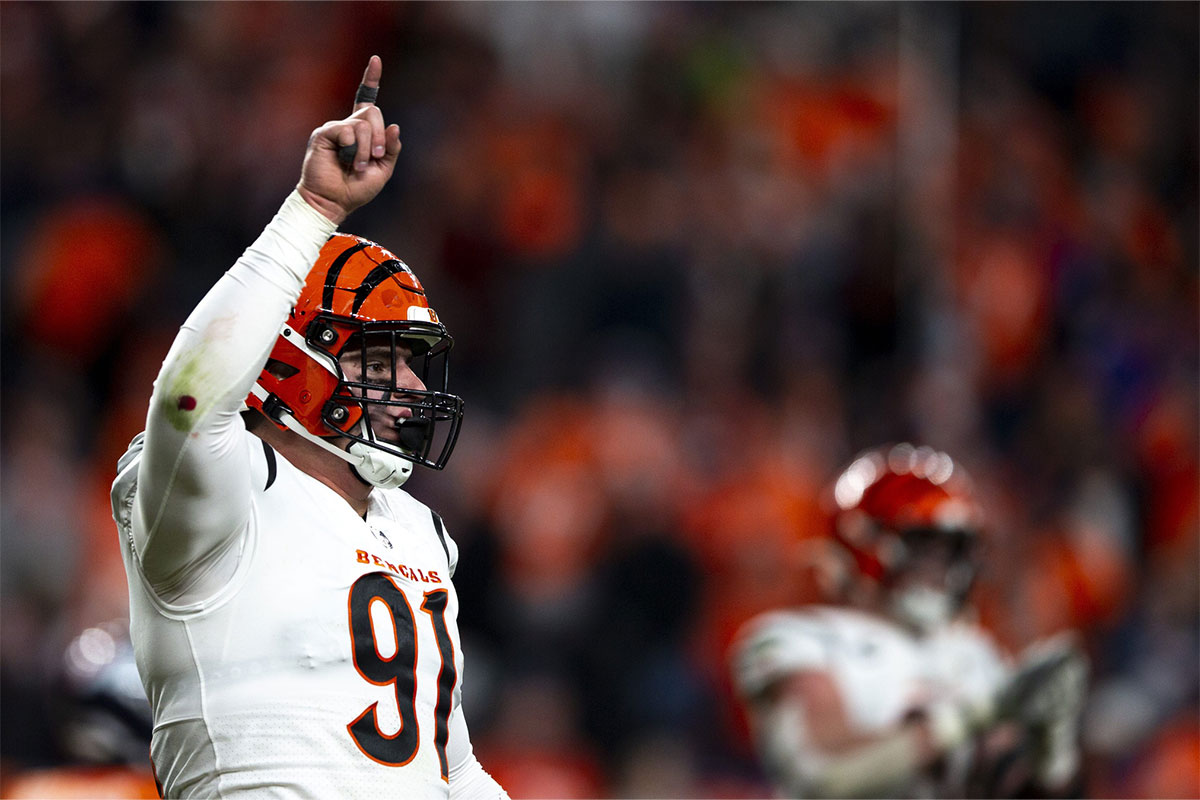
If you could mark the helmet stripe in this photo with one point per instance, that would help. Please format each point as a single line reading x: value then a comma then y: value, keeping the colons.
x: 377, y: 276
x: 335, y: 269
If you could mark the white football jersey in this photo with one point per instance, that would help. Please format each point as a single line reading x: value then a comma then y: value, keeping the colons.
x: 329, y: 666
x: 881, y: 670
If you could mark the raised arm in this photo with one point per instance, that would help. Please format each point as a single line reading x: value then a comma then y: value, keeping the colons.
x: 194, y: 476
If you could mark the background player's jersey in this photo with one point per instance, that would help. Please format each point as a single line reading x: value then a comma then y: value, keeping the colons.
x: 880, y: 669
x: 330, y: 661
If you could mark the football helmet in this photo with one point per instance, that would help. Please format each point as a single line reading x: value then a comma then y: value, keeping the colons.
x: 894, y: 510
x: 105, y: 717
x: 319, y: 382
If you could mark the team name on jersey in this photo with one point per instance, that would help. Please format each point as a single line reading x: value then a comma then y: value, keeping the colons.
x: 403, y: 570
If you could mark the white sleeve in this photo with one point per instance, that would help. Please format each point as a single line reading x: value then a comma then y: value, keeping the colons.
x: 193, y: 487
x: 468, y: 779
x: 774, y: 645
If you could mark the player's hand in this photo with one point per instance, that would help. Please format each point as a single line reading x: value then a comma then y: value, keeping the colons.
x: 1046, y: 696
x: 1050, y: 683
x: 334, y: 186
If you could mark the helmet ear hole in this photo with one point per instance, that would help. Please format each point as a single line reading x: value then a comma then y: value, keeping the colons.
x: 280, y: 370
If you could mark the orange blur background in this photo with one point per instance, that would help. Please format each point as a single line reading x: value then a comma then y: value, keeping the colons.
x: 694, y: 257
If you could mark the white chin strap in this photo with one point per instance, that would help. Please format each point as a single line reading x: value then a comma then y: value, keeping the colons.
x: 376, y: 467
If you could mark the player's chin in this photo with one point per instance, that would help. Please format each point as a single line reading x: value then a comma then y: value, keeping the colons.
x: 388, y: 432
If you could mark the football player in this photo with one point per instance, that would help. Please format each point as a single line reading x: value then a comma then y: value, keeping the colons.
x: 895, y: 692
x: 103, y: 722
x: 292, y: 610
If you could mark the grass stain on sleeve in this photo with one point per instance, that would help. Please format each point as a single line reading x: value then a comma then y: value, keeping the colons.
x: 186, y: 400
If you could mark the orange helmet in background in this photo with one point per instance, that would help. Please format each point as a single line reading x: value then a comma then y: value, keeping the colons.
x: 359, y: 293
x: 895, y: 505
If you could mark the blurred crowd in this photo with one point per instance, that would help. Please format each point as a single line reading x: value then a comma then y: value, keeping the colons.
x: 694, y: 257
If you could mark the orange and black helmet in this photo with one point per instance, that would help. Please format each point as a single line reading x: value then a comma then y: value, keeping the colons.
x: 892, y: 499
x: 359, y: 293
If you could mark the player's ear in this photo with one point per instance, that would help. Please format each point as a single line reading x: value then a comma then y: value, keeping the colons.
x: 828, y: 568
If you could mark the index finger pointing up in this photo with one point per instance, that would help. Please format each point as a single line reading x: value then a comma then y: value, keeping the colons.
x: 369, y: 88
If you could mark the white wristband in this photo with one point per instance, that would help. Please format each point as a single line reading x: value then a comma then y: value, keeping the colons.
x: 294, y: 238
x: 948, y: 725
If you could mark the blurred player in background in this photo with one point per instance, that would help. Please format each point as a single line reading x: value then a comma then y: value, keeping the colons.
x: 104, y: 724
x: 895, y: 691
x: 292, y: 613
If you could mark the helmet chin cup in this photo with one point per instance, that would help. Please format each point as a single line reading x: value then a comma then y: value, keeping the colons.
x: 384, y: 470
x: 922, y: 608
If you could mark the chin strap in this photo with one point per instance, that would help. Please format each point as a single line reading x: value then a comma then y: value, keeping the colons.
x: 376, y: 467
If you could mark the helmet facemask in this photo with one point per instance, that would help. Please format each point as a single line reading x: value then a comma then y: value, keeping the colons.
x: 931, y: 575
x: 378, y: 402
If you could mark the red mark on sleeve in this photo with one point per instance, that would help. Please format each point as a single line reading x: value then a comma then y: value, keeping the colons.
x: 187, y: 402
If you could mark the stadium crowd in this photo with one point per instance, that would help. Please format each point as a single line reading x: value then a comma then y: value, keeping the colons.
x: 694, y: 256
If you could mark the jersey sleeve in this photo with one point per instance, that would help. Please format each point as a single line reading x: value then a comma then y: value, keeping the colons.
x: 775, y: 645
x: 124, y: 488
x: 468, y: 779
x: 447, y: 543
x: 193, y: 479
